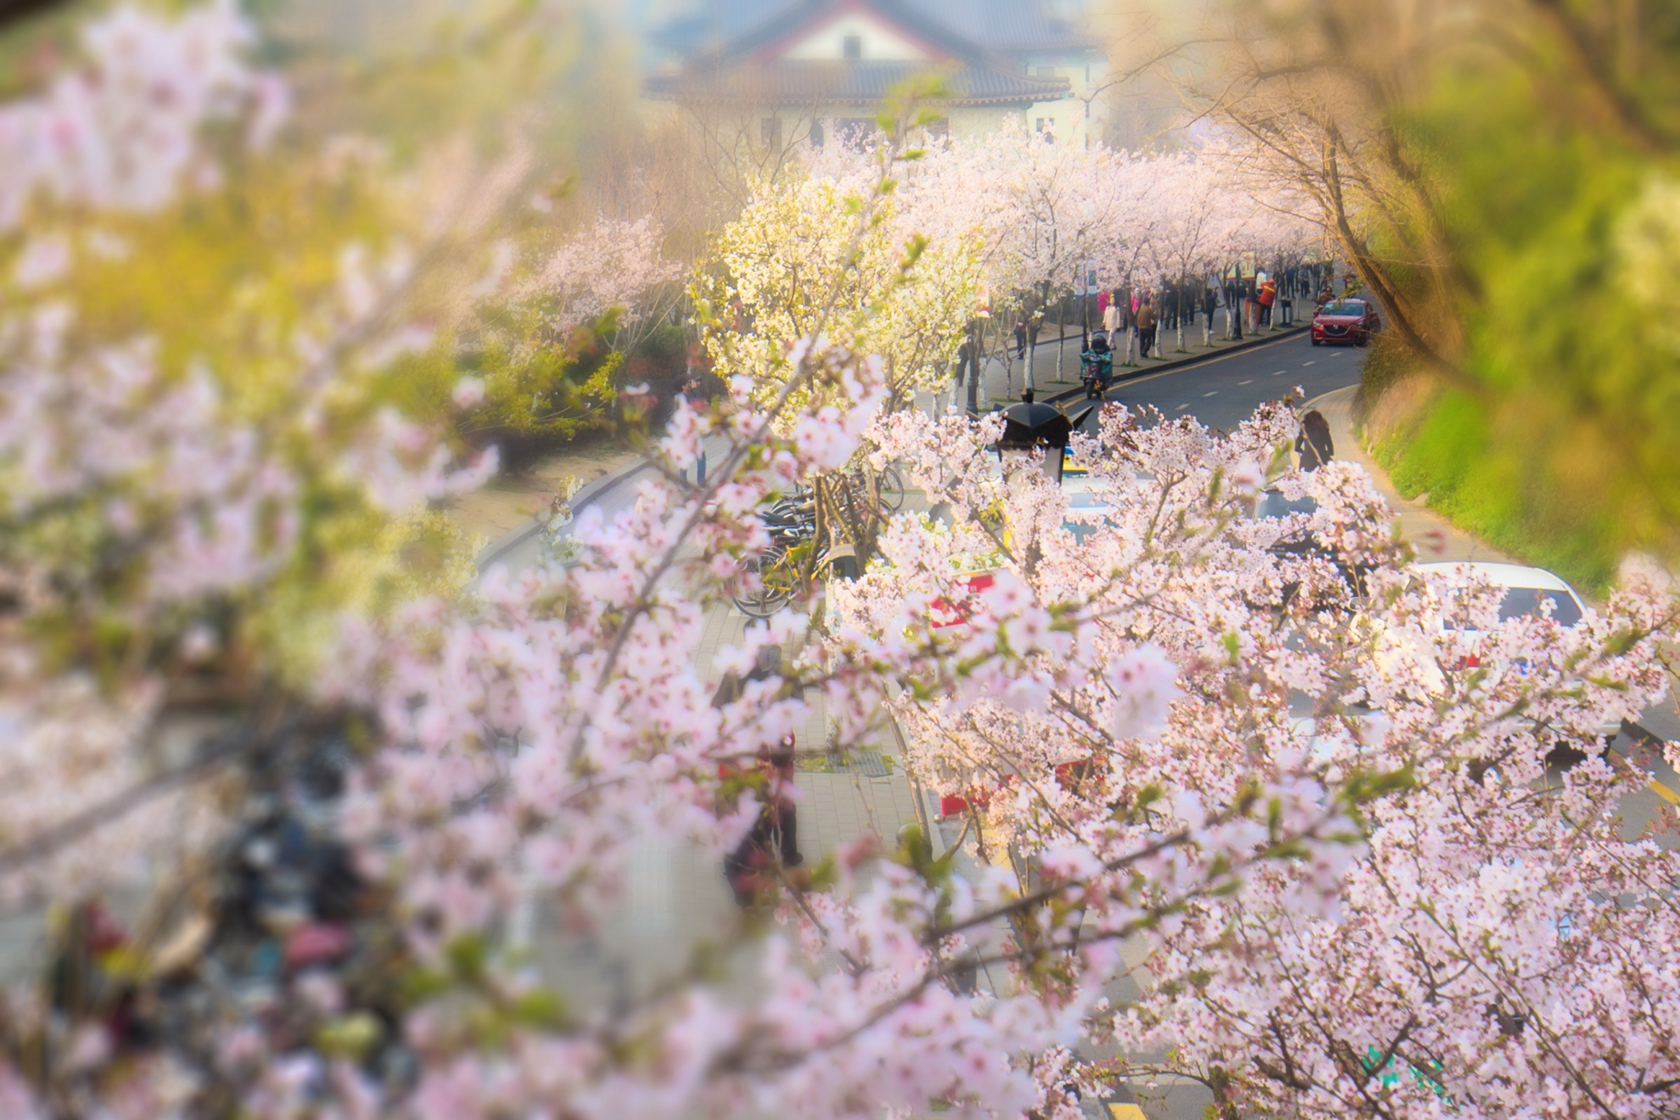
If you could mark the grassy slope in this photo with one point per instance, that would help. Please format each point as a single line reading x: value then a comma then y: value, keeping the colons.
x: 1437, y: 443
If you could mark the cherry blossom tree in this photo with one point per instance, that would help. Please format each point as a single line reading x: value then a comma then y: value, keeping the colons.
x: 517, y: 739
x: 339, y: 834
x: 906, y: 297
x: 608, y: 265
x: 1479, y: 952
x: 1037, y: 210
x: 1202, y: 226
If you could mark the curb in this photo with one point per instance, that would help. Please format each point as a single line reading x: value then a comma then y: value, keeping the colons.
x: 1182, y: 363
x: 509, y: 541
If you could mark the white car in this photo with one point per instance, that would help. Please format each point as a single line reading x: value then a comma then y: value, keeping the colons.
x: 1527, y: 590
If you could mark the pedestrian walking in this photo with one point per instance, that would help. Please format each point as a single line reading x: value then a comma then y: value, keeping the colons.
x: 691, y: 389
x: 1112, y: 320
x: 1314, y: 445
x: 1266, y: 298
x: 962, y: 361
x: 1146, y: 327
x: 773, y: 841
x: 1020, y: 341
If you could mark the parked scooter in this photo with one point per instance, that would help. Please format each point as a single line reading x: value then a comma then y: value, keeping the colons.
x: 1097, y: 373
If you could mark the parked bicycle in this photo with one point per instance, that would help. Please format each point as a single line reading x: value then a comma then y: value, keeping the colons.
x: 792, y: 525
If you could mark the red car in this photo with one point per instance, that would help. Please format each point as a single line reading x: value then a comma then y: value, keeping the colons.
x: 1344, y: 320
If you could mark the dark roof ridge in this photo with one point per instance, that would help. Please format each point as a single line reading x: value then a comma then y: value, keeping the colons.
x: 783, y: 23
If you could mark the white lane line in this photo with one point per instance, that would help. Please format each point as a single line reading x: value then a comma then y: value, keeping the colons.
x: 1279, y: 373
x: 1250, y: 381
x: 1181, y: 408
x: 1205, y: 396
x: 1304, y: 365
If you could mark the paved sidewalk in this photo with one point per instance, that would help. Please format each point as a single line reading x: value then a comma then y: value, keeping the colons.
x: 1435, y: 538
x: 676, y: 902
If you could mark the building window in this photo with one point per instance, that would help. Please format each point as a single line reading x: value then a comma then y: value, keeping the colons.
x: 1047, y: 129
x: 770, y: 132
x: 854, y: 132
x: 852, y: 46
x: 815, y: 135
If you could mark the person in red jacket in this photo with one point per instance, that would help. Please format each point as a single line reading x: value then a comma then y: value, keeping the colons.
x: 1267, y: 297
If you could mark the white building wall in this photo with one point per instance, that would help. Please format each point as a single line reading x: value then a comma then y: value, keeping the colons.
x: 1079, y: 119
x: 794, y: 124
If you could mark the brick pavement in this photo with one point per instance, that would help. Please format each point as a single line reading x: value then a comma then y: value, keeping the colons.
x: 676, y: 901
x: 1435, y: 538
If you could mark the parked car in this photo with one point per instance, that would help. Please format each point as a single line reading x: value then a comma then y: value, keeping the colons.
x: 1345, y: 320
x: 1528, y: 592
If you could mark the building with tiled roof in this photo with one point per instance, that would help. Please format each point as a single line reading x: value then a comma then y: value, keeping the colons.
x: 809, y: 70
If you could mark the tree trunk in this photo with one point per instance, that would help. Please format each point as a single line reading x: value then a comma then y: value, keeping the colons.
x: 1061, y: 334
x: 973, y: 369
x: 1178, y: 315
x: 1027, y: 373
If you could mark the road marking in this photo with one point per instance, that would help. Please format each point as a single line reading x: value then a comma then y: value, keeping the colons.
x: 1250, y: 381
x: 1181, y: 408
x: 1304, y: 365
x: 1279, y: 373
x: 1126, y: 1112
x: 1664, y: 792
x: 1205, y: 396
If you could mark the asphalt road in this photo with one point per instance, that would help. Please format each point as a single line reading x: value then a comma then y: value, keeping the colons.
x: 1225, y: 390
x: 1220, y: 392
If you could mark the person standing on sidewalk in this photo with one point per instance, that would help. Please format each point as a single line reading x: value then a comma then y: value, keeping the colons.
x: 1267, y: 297
x: 1112, y: 321
x: 1314, y: 445
x: 1020, y: 341
x: 691, y: 390
x: 773, y: 841
x: 1146, y: 327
